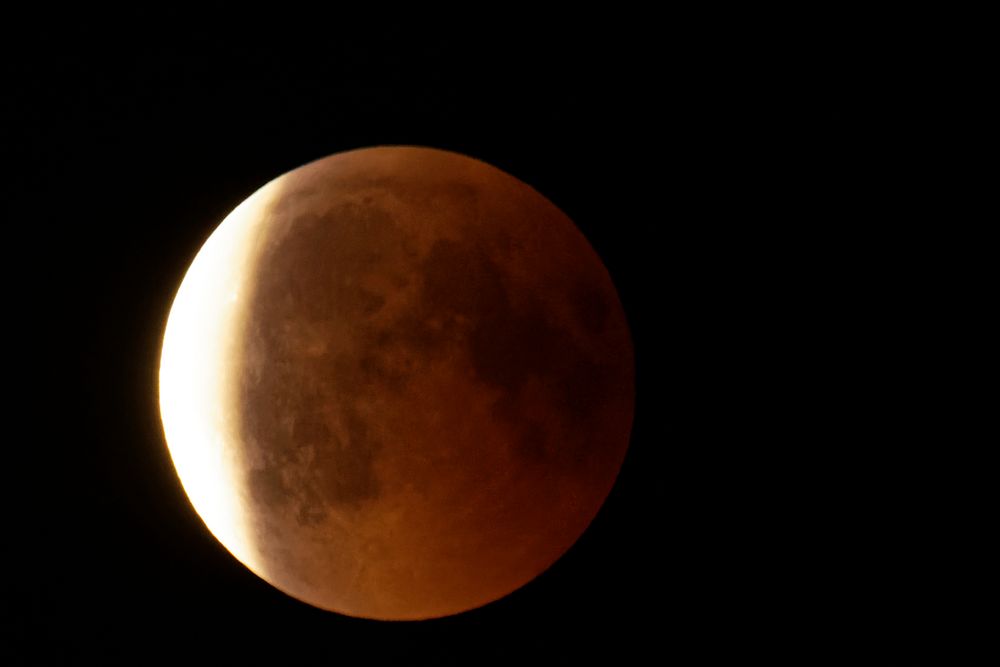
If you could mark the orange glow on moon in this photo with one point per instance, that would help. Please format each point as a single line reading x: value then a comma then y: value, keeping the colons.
x: 397, y: 383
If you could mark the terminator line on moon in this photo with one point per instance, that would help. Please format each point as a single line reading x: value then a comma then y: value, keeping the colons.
x: 397, y: 383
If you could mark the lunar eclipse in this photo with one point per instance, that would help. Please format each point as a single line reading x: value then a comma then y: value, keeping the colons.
x: 397, y: 383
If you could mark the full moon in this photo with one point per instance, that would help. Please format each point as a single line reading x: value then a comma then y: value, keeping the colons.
x: 397, y: 383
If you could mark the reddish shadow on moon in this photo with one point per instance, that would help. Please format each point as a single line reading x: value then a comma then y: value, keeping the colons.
x: 431, y: 387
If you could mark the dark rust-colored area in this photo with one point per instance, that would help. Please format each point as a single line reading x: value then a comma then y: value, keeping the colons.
x: 297, y: 390
x: 434, y: 384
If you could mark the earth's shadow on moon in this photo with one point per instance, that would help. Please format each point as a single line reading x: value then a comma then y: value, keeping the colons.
x: 435, y: 385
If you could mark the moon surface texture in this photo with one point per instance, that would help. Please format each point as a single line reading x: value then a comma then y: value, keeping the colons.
x: 397, y: 383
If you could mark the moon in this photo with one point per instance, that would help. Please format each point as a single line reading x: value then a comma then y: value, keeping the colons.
x: 397, y: 383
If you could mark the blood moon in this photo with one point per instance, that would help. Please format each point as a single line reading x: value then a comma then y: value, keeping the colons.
x: 397, y: 383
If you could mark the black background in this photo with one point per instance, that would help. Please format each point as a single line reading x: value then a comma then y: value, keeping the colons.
x: 709, y: 164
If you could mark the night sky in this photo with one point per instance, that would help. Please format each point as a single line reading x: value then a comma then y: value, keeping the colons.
x: 708, y: 169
